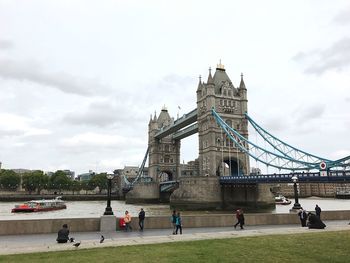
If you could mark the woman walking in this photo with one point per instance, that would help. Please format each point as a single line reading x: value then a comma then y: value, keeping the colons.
x: 178, y: 223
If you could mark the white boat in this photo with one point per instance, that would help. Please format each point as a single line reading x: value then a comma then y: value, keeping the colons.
x: 282, y: 200
x: 40, y: 205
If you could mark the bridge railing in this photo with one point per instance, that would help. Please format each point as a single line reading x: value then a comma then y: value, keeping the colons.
x: 332, y: 177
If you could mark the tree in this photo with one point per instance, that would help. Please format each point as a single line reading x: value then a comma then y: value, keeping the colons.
x: 9, y: 179
x: 75, y: 186
x: 34, y: 180
x: 60, y: 181
x: 86, y: 186
x: 99, y: 180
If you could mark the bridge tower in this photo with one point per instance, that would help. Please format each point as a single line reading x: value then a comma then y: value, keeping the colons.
x: 163, y: 158
x: 164, y: 154
x: 218, y: 156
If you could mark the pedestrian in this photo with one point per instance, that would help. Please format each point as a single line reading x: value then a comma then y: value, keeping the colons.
x: 141, y: 219
x: 127, y: 220
x: 315, y: 222
x: 173, y: 221
x: 237, y: 217
x: 178, y: 223
x: 241, y: 218
x: 302, y: 216
x: 318, y: 211
x: 63, y: 234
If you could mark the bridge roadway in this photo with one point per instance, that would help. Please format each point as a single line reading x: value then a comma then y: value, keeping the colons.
x: 333, y: 177
x: 180, y: 123
x: 19, y: 244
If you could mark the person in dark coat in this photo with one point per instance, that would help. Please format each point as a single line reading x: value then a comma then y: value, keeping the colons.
x: 173, y: 221
x: 240, y: 218
x: 63, y: 234
x: 237, y: 217
x: 315, y: 222
x: 318, y: 211
x: 141, y: 219
x: 303, y: 217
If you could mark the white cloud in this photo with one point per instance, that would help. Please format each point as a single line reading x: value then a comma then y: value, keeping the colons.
x: 14, y: 125
x: 91, y: 139
x: 32, y: 71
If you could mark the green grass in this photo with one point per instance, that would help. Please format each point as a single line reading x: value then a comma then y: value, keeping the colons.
x: 310, y: 247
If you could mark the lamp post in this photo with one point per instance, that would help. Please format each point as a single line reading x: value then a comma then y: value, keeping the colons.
x: 296, y: 205
x: 108, y: 210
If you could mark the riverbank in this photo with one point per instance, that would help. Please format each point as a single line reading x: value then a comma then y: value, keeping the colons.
x: 66, y: 197
x: 41, y: 226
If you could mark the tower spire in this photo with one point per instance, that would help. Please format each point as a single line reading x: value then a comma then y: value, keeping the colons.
x: 210, y: 78
x: 242, y: 85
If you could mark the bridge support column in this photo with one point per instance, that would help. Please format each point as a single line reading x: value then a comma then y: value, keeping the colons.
x: 143, y: 192
x: 197, y: 193
x: 254, y: 196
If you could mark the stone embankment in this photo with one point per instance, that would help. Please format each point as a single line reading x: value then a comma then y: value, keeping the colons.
x: 41, y: 226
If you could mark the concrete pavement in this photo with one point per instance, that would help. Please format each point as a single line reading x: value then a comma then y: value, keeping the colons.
x: 17, y: 244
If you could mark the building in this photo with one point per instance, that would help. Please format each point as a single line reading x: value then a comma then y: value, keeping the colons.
x: 86, y: 176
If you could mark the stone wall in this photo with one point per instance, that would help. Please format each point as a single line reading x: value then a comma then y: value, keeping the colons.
x: 40, y: 226
x: 143, y: 192
x: 197, y: 193
x: 247, y: 196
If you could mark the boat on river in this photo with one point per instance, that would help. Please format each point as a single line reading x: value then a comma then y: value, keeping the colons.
x: 282, y: 200
x: 40, y: 206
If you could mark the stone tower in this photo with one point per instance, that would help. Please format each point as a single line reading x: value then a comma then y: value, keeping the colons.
x: 164, y: 154
x: 218, y: 155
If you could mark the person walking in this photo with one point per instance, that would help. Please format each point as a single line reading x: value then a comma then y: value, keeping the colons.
x: 173, y: 221
x: 241, y: 218
x: 63, y: 234
x: 318, y: 211
x: 237, y: 217
x: 141, y: 219
x: 178, y: 224
x: 302, y: 216
x: 127, y: 220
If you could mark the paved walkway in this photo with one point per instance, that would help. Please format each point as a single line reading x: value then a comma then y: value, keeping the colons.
x: 17, y: 244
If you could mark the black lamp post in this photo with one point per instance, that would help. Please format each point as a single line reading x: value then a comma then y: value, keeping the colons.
x: 108, y: 210
x: 296, y: 204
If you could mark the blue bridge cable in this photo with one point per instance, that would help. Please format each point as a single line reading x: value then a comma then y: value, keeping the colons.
x: 140, y: 171
x: 302, y: 164
x: 330, y: 163
x: 262, y: 133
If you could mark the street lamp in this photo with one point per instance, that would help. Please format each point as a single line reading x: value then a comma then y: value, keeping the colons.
x: 108, y: 210
x: 296, y: 204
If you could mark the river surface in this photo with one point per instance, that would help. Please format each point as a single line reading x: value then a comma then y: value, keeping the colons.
x: 93, y: 209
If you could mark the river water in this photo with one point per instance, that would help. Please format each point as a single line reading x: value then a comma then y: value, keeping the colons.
x: 93, y: 209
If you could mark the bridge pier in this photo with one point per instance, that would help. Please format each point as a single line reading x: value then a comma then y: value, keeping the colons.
x: 256, y: 196
x: 197, y: 193
x: 143, y: 192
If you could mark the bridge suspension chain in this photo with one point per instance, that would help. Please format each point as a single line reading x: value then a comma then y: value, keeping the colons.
x: 283, y: 147
x: 262, y: 155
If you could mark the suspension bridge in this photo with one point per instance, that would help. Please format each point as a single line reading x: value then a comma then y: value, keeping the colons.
x: 225, y: 152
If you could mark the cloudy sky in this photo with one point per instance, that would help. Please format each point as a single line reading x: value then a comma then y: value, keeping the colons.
x: 79, y: 79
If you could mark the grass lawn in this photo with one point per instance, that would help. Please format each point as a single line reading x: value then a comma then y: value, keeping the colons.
x: 309, y: 247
